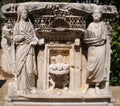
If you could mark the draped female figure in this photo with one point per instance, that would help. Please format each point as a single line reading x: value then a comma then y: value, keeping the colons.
x: 25, y: 39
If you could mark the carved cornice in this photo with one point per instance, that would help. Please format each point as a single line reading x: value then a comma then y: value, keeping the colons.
x: 51, y: 19
x: 49, y: 8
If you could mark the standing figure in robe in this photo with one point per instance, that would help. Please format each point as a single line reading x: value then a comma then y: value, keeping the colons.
x: 25, y: 39
x: 6, y: 47
x: 96, y: 40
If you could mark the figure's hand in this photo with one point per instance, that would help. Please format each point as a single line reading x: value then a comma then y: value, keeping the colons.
x: 18, y: 38
x: 34, y: 41
x: 41, y: 41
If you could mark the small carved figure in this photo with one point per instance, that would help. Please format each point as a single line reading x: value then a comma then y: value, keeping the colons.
x: 6, y: 46
x: 96, y: 41
x: 25, y: 39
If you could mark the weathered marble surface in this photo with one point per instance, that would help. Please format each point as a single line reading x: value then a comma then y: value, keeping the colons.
x: 88, y: 8
x: 51, y: 49
x: 97, y: 40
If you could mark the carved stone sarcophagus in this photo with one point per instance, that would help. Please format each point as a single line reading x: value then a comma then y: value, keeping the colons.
x: 56, y: 53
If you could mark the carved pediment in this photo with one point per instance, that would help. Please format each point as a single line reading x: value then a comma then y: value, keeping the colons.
x: 46, y: 7
x: 58, y: 18
x: 70, y: 12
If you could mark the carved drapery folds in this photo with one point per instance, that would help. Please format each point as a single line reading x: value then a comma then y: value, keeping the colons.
x: 62, y: 52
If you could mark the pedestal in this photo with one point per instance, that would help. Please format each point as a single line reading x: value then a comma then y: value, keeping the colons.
x: 58, y: 99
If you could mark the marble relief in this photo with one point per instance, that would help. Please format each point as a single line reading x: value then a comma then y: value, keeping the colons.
x: 57, y: 51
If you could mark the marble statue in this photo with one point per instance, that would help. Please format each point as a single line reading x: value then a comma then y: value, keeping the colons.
x: 97, y: 51
x: 24, y: 38
x: 6, y: 43
x: 57, y: 54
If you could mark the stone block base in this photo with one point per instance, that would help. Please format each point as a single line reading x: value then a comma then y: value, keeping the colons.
x: 67, y: 99
x: 56, y: 104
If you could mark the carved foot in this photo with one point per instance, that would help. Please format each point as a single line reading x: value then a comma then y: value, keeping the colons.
x: 97, y: 90
x: 91, y: 91
x: 26, y: 92
x: 33, y: 90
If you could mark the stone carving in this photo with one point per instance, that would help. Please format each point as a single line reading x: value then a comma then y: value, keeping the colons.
x: 25, y: 39
x: 97, y: 48
x: 50, y: 59
x: 57, y: 70
x: 6, y: 43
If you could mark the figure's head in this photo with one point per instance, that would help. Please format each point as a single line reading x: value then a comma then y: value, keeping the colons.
x: 22, y: 13
x: 97, y: 14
